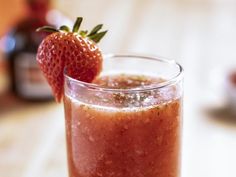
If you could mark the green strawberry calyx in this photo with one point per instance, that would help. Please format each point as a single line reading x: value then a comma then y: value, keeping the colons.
x: 95, y: 34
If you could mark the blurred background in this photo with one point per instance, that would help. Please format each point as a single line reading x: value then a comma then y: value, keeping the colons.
x: 199, y: 34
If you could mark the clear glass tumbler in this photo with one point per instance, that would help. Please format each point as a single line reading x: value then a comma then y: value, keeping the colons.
x: 126, y: 132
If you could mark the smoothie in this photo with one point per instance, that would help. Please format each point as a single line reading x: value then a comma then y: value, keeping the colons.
x: 123, y: 134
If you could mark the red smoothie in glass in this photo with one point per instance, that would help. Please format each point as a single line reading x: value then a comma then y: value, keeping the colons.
x: 127, y: 135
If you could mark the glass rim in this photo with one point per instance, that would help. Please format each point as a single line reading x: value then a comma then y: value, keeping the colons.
x: 178, y: 77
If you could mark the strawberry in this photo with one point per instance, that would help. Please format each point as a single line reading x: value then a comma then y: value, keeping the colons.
x: 76, y: 52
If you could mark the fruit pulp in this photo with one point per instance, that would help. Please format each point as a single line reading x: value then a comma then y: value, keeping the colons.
x: 137, y: 136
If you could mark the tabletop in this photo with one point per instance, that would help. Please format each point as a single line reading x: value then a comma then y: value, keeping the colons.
x: 199, y: 34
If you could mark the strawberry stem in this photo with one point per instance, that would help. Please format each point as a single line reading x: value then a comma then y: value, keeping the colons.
x: 77, y: 24
x: 98, y: 36
x: 95, y: 30
x: 64, y: 28
x: 47, y: 29
x: 83, y: 33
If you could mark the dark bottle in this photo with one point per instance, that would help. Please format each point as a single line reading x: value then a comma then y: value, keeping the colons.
x: 27, y: 80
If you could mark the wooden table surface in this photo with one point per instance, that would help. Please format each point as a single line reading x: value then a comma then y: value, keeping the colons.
x: 200, y: 34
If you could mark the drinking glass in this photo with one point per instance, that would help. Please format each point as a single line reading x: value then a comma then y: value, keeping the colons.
x: 126, y: 132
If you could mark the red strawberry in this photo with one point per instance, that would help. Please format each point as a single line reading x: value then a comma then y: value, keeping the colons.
x: 74, y: 51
